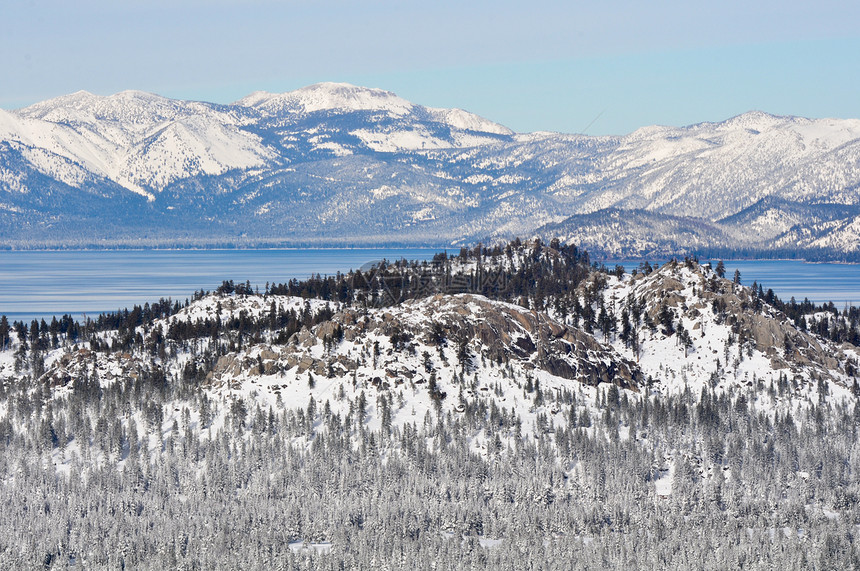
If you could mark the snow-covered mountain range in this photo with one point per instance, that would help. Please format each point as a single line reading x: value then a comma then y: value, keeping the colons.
x: 338, y: 164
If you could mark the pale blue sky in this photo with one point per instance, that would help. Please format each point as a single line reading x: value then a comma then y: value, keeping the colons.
x: 541, y: 65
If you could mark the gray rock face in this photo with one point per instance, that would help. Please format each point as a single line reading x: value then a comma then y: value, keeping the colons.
x: 488, y: 330
x: 84, y: 365
x: 504, y: 331
x: 485, y: 329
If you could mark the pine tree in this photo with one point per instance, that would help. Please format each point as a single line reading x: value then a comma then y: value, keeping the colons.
x: 4, y: 333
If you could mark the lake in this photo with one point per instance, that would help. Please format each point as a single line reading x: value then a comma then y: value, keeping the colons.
x: 39, y: 284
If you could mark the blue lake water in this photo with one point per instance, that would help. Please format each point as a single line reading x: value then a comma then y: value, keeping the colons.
x: 37, y: 284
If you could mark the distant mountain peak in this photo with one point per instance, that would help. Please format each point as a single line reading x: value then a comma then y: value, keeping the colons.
x: 328, y: 96
x: 83, y: 97
x: 130, y: 107
x: 346, y: 98
x: 757, y: 120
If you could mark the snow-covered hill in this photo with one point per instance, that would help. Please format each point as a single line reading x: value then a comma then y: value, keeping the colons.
x: 335, y: 163
x: 672, y: 329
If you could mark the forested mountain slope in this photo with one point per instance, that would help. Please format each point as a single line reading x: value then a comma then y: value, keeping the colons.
x: 504, y: 406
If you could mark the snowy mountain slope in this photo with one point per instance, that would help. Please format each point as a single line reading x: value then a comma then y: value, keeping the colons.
x: 385, y: 122
x: 443, y: 173
x: 67, y: 196
x: 839, y: 235
x: 713, y: 168
x: 56, y: 149
x: 406, y: 350
x: 10, y: 125
x: 465, y: 121
x: 188, y: 148
x: 615, y: 233
x: 704, y: 332
x: 553, y: 408
x: 773, y: 216
x: 343, y: 98
x: 143, y: 141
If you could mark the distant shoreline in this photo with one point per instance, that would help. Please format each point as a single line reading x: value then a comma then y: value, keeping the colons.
x: 806, y: 256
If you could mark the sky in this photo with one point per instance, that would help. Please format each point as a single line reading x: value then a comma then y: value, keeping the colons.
x: 575, y: 67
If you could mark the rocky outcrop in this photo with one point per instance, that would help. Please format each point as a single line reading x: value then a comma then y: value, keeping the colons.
x: 84, y: 364
x: 486, y: 329
x: 690, y: 290
x: 503, y: 331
